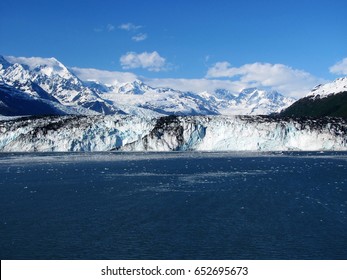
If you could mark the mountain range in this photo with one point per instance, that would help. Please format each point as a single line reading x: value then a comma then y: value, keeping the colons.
x: 45, y: 86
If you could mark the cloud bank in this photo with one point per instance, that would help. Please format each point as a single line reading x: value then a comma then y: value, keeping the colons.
x: 282, y: 78
x: 194, y: 85
x: 291, y: 82
x: 103, y: 76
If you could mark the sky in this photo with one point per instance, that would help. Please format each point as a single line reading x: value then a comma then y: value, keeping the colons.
x: 289, y: 46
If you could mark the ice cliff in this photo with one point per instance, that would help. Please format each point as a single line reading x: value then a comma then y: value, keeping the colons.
x: 172, y: 133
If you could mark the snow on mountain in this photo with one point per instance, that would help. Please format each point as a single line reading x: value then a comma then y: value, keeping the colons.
x: 49, y: 79
x: 14, y: 102
x: 16, y: 76
x: 251, y: 101
x: 53, y: 78
x: 264, y: 102
x: 221, y: 101
x: 47, y: 66
x: 164, y: 101
x: 171, y: 133
x: 324, y: 100
x: 321, y: 91
x: 136, y: 87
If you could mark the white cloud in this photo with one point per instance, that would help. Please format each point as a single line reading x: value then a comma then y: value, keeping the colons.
x: 110, y: 27
x: 139, y: 37
x: 150, y: 61
x: 103, y: 76
x: 114, y: 77
x: 289, y: 81
x: 194, y: 85
x: 340, y: 68
x: 129, y: 26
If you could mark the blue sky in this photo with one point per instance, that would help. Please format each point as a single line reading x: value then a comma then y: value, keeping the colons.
x: 170, y: 41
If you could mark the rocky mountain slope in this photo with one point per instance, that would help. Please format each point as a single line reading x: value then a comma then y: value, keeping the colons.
x: 324, y: 100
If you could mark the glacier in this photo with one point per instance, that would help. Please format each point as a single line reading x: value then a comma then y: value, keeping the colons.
x: 171, y: 133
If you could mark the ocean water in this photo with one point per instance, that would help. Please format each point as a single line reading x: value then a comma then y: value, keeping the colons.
x: 173, y: 205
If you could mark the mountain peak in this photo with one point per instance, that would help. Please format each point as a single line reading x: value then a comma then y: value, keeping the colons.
x: 324, y: 100
x: 249, y: 90
x: 48, y: 66
x: 135, y: 87
x: 324, y: 90
x: 224, y: 93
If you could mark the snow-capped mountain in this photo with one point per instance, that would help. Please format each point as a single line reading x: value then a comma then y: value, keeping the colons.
x: 49, y: 79
x: 171, y: 133
x: 136, y: 87
x: 324, y: 100
x: 335, y: 87
x: 164, y: 101
x: 253, y: 101
x: 16, y: 103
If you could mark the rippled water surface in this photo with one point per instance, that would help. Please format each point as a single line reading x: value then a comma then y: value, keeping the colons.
x: 173, y: 206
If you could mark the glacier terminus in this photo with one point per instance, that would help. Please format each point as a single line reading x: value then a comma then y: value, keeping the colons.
x: 171, y: 133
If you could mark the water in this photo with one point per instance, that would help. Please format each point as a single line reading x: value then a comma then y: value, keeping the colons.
x: 173, y: 206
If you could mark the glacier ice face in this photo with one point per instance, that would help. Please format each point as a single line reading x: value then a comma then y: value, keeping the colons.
x: 172, y: 133
x: 71, y: 133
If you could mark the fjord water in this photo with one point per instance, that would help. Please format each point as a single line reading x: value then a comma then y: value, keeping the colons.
x: 173, y: 206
